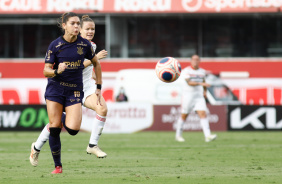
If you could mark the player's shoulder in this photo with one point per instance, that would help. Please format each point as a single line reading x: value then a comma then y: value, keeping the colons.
x: 57, y: 42
x: 83, y: 40
x: 187, y: 69
x: 202, y: 70
x: 93, y: 44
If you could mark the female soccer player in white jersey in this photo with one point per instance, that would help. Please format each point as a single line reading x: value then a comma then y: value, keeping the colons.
x: 193, y: 99
x: 90, y: 101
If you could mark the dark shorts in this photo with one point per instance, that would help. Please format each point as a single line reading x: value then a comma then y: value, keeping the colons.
x: 62, y: 95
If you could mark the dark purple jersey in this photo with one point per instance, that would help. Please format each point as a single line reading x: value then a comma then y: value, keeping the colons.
x: 73, y: 55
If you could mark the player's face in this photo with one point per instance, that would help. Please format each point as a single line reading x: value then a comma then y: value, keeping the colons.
x: 195, y: 62
x: 72, y: 26
x: 88, y: 30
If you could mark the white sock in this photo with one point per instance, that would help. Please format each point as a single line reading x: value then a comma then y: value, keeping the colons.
x: 97, y: 129
x: 43, y: 137
x: 179, y: 127
x: 205, y: 126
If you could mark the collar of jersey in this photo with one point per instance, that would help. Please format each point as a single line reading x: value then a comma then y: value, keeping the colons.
x: 62, y: 37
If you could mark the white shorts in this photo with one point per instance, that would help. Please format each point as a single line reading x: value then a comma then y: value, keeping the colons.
x: 192, y: 102
x: 89, y: 88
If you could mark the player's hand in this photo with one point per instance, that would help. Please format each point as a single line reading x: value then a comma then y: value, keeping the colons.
x: 205, y: 84
x: 61, y: 68
x: 102, y: 54
x: 98, y: 94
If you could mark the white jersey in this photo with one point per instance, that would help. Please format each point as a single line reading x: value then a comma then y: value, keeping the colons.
x: 89, y: 85
x: 193, y: 96
x: 87, y: 72
x: 195, y: 76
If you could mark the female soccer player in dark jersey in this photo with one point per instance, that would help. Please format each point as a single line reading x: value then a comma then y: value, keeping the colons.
x: 64, y: 91
x: 89, y: 100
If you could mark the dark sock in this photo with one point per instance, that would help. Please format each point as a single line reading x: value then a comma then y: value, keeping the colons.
x: 55, y: 145
x: 92, y: 145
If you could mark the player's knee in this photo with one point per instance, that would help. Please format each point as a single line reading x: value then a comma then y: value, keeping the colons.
x: 102, y: 110
x: 71, y: 131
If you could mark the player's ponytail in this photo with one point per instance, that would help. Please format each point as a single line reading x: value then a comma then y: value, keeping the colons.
x: 64, y: 18
x: 85, y: 18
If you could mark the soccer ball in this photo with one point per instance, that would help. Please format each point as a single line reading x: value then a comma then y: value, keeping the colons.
x: 168, y: 69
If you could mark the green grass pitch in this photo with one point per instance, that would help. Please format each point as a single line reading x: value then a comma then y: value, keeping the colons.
x: 147, y: 157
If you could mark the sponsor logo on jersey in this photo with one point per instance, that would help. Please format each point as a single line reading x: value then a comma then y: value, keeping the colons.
x: 68, y: 84
x: 48, y: 55
x: 59, y: 44
x: 82, y: 44
x: 73, y: 64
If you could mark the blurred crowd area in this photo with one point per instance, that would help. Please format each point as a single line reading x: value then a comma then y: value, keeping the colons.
x: 147, y: 36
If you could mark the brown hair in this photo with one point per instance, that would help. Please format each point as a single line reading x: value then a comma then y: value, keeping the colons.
x: 64, y: 18
x: 85, y: 18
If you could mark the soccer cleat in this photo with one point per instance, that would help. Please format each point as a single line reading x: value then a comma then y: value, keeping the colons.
x: 96, y: 151
x: 33, y: 158
x: 210, y: 138
x: 58, y: 170
x: 179, y: 139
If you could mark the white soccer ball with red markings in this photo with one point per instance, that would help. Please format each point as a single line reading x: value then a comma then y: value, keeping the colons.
x: 168, y: 69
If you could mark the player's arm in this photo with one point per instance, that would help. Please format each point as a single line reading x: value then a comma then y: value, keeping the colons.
x: 195, y: 83
x: 49, y: 72
x: 97, y: 69
x: 101, y: 55
x: 98, y: 73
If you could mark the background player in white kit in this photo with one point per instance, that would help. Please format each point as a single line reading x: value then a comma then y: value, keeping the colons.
x: 90, y: 101
x: 193, y: 99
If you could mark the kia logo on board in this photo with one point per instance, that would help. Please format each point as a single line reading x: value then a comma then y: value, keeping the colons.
x: 255, y: 117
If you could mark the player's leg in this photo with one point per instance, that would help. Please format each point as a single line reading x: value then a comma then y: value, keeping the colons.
x: 36, y: 146
x: 73, y: 118
x: 201, y: 109
x: 98, y: 124
x: 204, y: 123
x: 186, y: 107
x: 179, y: 127
x: 41, y: 140
x: 55, y: 110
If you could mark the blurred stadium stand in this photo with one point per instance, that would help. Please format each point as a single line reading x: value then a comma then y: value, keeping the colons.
x: 148, y: 28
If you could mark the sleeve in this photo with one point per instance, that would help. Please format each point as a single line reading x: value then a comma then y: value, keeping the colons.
x: 90, y: 53
x: 94, y: 46
x: 50, y: 54
x: 186, y: 74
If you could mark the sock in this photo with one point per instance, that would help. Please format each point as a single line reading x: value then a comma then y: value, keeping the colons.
x: 55, y: 145
x: 43, y: 137
x: 97, y: 129
x: 205, y: 126
x: 179, y: 127
x: 92, y: 145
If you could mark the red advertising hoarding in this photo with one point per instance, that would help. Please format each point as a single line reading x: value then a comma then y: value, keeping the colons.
x: 137, y: 6
x: 16, y: 68
x: 166, y: 116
